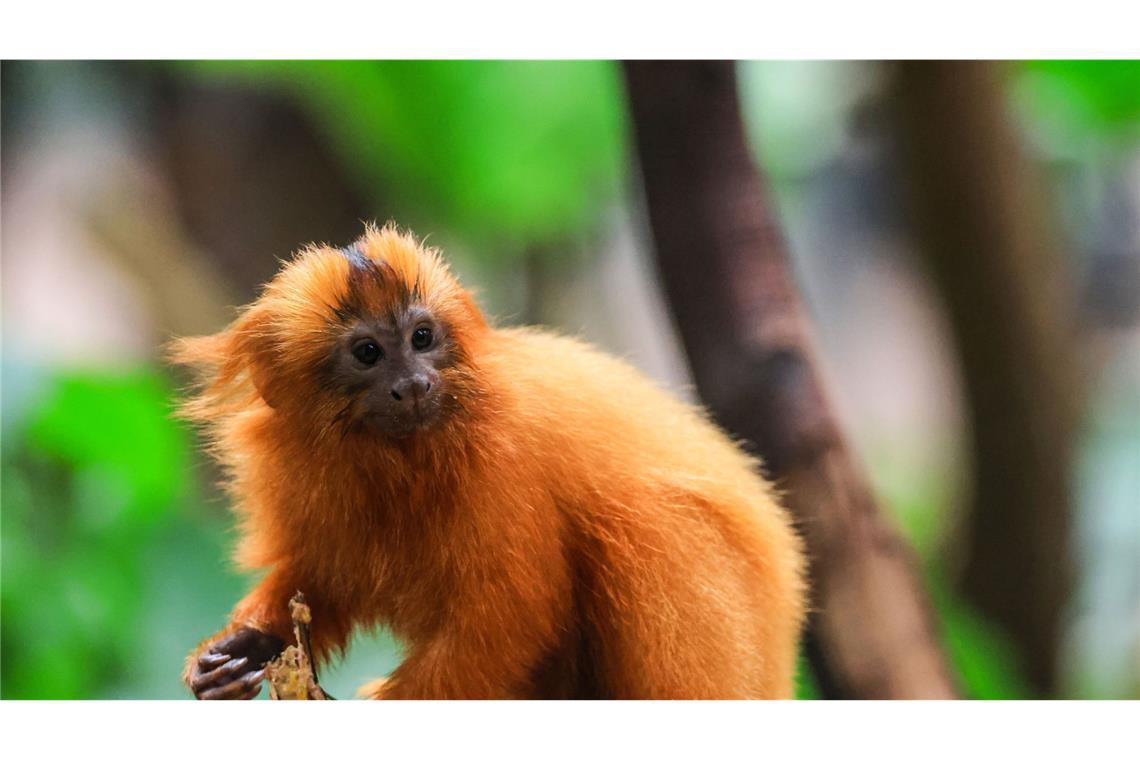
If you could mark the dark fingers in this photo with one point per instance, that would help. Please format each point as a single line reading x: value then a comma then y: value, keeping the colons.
x: 211, y: 660
x: 237, y: 689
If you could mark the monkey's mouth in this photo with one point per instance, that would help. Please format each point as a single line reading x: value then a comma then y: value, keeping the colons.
x: 421, y: 413
x: 421, y: 417
x: 425, y: 412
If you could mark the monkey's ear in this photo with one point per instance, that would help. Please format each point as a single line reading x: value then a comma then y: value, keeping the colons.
x: 256, y: 345
x: 264, y: 380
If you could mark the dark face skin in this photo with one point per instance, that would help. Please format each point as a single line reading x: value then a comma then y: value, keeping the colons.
x: 388, y: 367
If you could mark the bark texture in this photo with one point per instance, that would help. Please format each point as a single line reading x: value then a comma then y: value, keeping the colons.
x: 727, y: 276
x: 984, y: 232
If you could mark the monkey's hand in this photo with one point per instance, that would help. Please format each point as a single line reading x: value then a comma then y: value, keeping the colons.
x: 233, y: 666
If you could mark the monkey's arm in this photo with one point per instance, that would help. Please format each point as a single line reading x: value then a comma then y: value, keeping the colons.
x: 460, y: 665
x: 493, y: 637
x: 231, y: 663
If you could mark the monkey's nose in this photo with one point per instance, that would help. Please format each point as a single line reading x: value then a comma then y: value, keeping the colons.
x: 411, y: 388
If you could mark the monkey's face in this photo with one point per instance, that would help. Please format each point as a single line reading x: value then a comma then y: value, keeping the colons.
x: 392, y: 368
x: 373, y: 339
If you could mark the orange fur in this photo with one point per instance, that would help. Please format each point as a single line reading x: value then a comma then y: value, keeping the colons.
x: 568, y: 529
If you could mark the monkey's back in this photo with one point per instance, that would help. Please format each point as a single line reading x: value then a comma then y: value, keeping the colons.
x: 689, y: 572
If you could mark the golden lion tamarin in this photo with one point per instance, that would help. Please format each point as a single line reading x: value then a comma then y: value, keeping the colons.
x: 530, y: 517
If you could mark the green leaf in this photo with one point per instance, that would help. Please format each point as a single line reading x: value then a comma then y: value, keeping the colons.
x: 1105, y: 94
x: 116, y: 431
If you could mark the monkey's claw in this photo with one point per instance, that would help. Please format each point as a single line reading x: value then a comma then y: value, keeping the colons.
x: 234, y: 667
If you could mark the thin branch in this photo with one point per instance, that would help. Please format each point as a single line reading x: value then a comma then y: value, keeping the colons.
x: 293, y: 674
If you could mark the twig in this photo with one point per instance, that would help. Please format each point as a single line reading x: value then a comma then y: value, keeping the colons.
x: 293, y: 675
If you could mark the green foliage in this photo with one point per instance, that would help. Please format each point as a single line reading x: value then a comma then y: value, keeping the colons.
x: 112, y: 570
x: 92, y: 476
x: 505, y: 153
x: 81, y: 486
x: 806, y: 686
x: 1103, y: 95
x: 1086, y: 112
x: 115, y: 431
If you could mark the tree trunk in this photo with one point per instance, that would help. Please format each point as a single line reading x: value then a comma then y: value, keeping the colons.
x: 985, y: 237
x: 727, y: 276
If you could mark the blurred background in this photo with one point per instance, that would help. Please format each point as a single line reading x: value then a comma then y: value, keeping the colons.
x: 147, y: 200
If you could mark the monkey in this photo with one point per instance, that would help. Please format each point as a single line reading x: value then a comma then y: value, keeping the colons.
x: 529, y: 517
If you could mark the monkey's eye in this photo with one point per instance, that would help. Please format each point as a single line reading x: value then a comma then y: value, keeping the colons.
x: 368, y: 352
x: 421, y: 338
